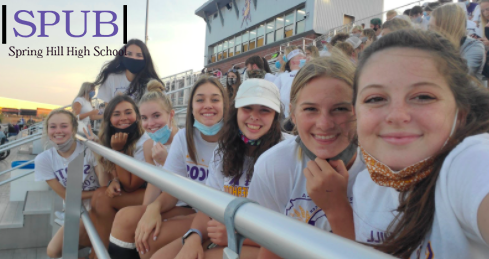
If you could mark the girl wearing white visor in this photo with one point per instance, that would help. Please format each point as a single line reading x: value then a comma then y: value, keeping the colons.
x: 253, y: 126
x: 286, y: 178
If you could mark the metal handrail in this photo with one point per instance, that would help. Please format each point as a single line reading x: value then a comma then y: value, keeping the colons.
x: 20, y: 142
x: 261, y: 225
x: 17, y: 177
x: 19, y: 166
x: 97, y: 243
x: 20, y: 139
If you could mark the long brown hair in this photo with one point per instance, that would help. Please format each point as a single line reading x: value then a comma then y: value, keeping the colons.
x: 107, y: 130
x: 484, y: 20
x: 417, y: 205
x: 189, y: 122
x: 233, y: 150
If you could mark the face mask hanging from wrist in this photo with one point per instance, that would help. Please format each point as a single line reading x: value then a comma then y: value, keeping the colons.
x: 63, y: 147
x: 208, y: 130
x: 162, y: 135
x: 345, y: 155
x: 251, y: 142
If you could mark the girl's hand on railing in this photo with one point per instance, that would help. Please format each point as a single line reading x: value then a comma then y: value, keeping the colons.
x: 90, y: 135
x: 217, y: 232
x: 151, y: 220
x: 192, y: 249
x: 118, y: 141
x: 114, y: 189
x: 327, y: 183
x: 159, y: 153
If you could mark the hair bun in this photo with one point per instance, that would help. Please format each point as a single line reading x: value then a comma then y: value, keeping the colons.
x: 155, y: 86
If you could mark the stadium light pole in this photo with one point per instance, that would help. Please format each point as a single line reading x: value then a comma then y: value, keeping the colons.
x: 146, y: 26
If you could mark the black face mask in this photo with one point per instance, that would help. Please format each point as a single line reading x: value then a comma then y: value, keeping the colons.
x: 345, y: 156
x: 129, y: 130
x: 133, y: 65
x: 232, y: 81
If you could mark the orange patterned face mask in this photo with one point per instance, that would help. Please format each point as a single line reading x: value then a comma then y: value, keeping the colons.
x: 400, y: 180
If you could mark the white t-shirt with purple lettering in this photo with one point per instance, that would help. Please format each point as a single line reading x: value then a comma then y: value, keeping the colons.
x: 179, y: 162
x: 233, y: 185
x: 462, y: 184
x: 280, y: 185
x: 50, y: 165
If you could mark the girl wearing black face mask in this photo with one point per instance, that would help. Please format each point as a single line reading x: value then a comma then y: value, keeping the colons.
x: 121, y: 131
x: 127, y: 74
x: 232, y: 83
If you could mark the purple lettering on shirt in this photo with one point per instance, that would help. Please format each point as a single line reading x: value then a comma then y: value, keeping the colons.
x: 87, y: 169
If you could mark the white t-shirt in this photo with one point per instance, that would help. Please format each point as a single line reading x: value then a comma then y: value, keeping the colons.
x: 280, y: 185
x: 139, y: 152
x: 179, y: 161
x: 284, y: 84
x: 236, y: 187
x: 86, y: 106
x: 114, y: 85
x: 270, y: 77
x: 460, y: 189
x: 50, y: 165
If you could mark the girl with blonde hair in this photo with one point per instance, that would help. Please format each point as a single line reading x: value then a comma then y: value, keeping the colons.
x: 322, y: 111
x: 60, y: 128
x: 82, y: 106
x: 450, y: 20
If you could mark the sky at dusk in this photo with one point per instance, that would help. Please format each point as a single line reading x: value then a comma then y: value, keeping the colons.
x: 176, y: 44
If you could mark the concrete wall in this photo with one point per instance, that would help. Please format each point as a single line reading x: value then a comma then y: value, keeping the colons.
x: 329, y: 14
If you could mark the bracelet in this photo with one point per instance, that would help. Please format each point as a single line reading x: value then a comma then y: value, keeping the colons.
x: 110, y: 181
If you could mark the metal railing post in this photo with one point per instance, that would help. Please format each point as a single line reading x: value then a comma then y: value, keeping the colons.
x: 20, y: 142
x: 73, y: 196
x: 97, y: 243
x: 19, y: 166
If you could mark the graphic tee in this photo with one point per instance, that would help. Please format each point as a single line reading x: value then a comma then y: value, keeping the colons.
x: 461, y: 186
x: 233, y: 185
x: 50, y: 165
x: 179, y: 161
x: 280, y: 185
x: 114, y: 85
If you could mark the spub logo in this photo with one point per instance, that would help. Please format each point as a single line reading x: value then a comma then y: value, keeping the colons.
x: 27, y: 18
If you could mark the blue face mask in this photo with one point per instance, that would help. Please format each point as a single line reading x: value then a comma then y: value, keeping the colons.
x: 277, y: 64
x: 427, y: 17
x: 162, y: 135
x: 284, y: 58
x: 208, y: 131
x: 302, y: 63
x: 91, y: 94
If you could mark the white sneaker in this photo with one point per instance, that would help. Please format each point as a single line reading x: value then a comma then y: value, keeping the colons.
x: 59, y: 215
x: 59, y: 222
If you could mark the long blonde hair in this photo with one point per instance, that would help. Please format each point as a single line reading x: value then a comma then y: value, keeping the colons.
x: 85, y: 89
x: 156, y: 94
x: 451, y: 22
x: 483, y: 19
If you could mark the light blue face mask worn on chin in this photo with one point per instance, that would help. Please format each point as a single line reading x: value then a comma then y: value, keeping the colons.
x: 277, y: 64
x: 162, y: 135
x: 302, y: 63
x: 208, y: 130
